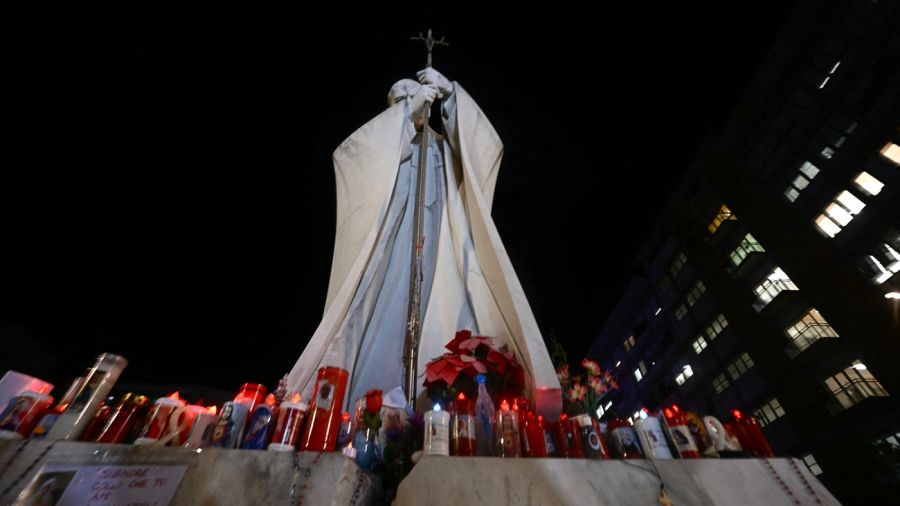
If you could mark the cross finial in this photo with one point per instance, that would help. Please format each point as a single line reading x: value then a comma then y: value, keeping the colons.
x: 430, y: 42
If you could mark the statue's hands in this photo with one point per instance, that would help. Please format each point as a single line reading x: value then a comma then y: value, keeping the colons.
x: 421, y: 101
x: 432, y: 76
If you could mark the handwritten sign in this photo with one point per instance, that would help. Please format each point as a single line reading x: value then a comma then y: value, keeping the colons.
x: 148, y: 485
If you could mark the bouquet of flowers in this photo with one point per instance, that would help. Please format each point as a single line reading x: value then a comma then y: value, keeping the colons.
x: 585, y: 396
x: 468, y: 356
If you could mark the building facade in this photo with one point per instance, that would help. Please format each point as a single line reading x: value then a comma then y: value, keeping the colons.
x: 767, y: 283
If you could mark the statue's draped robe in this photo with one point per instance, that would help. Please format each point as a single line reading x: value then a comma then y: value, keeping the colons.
x: 469, y: 282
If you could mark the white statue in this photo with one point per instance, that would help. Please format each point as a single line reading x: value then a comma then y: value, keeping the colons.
x: 468, y: 281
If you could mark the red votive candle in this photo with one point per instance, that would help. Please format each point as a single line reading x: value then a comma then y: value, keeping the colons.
x: 158, y: 420
x: 320, y: 434
x: 290, y: 421
x: 462, y: 431
x: 122, y: 419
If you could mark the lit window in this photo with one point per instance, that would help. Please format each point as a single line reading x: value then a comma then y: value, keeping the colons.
x: 722, y: 216
x: 828, y: 77
x: 776, y: 282
x: 809, y: 329
x: 720, y: 383
x: 629, y: 343
x: 827, y: 152
x: 699, y: 345
x: 716, y: 326
x: 883, y: 264
x: 677, y: 264
x: 694, y: 295
x: 839, y: 213
x: 686, y: 372
x: 808, y: 171
x: 769, y: 412
x: 854, y: 384
x: 868, y: 183
x: 813, y: 466
x: 893, y: 441
x: 850, y: 202
x: 827, y: 226
x: 740, y: 366
x: 680, y: 312
x: 640, y: 371
x: 748, y: 245
x: 891, y: 151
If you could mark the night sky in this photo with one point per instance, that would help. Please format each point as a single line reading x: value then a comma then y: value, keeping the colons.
x: 168, y: 193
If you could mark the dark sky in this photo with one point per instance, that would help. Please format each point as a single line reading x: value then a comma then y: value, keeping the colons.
x: 167, y: 188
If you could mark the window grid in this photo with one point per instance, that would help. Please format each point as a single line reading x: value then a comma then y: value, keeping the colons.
x: 694, y: 294
x: 808, y: 329
x: 748, y: 245
x: 740, y: 366
x: 812, y: 465
x: 808, y: 171
x: 629, y: 343
x: 854, y: 384
x: 716, y: 327
x: 720, y: 383
x: 677, y: 264
x: 769, y: 412
x: 684, y: 375
x: 699, y: 345
x: 722, y: 216
x: 839, y: 213
x: 777, y: 282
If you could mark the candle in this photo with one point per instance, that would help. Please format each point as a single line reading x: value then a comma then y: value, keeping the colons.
x: 290, y: 420
x: 22, y: 413
x: 680, y: 434
x: 437, y: 432
x: 157, y: 425
x: 590, y: 439
x: 751, y: 436
x: 122, y: 419
x: 93, y: 391
x: 462, y: 436
x: 652, y: 438
x: 201, y: 430
x: 260, y: 426
x: 508, y: 431
x: 535, y: 443
x: 251, y: 394
x: 624, y: 439
x: 320, y: 434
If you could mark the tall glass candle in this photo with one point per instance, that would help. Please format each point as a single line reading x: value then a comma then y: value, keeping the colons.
x: 508, y: 431
x: 157, y: 425
x: 320, y: 434
x: 462, y: 433
x: 22, y: 413
x: 97, y: 384
x: 437, y: 432
x: 290, y: 422
x: 201, y: 430
x: 123, y: 418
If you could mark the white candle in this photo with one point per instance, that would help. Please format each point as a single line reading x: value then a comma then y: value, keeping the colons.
x: 437, y: 432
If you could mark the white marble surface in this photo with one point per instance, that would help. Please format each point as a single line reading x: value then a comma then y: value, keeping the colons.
x: 213, y: 476
x: 481, y: 480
